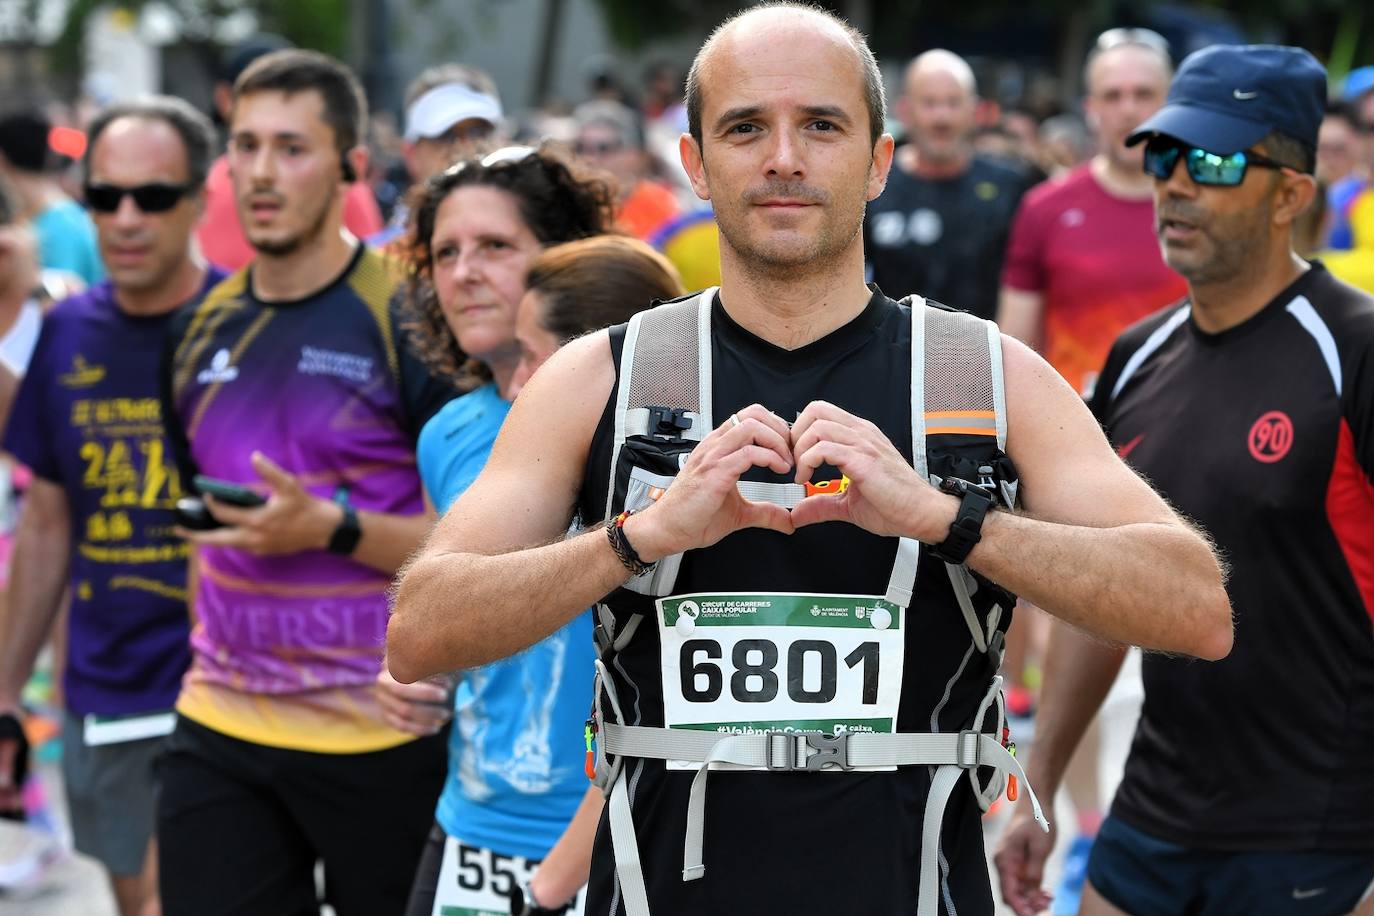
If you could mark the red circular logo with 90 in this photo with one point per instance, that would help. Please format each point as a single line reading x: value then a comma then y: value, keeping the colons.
x: 1271, y: 437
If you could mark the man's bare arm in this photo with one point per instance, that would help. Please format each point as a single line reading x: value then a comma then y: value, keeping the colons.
x: 1021, y: 314
x: 1097, y: 547
x: 488, y: 581
x: 1078, y: 672
x: 565, y: 869
x: 42, y: 554
x: 483, y: 587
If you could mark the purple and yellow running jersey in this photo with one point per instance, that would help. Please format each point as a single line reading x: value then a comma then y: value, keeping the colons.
x: 286, y: 649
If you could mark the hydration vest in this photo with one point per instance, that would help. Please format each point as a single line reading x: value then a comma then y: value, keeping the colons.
x: 958, y: 423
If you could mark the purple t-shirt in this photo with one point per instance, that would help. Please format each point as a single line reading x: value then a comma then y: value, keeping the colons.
x: 88, y: 417
x: 287, y: 647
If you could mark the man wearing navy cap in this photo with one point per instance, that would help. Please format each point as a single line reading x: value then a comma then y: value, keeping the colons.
x: 1249, y: 787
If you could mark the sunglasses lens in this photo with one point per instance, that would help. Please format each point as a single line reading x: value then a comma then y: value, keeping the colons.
x: 150, y: 198
x: 1160, y: 159
x: 104, y: 199
x: 1212, y: 169
x: 156, y: 198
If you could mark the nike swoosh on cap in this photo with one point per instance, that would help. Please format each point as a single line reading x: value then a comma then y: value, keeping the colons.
x: 1300, y: 894
x: 1244, y: 96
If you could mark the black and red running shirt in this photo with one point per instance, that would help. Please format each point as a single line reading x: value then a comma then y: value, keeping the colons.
x: 1264, y: 435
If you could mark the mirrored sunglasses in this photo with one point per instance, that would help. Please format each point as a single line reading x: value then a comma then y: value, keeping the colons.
x: 1162, y: 155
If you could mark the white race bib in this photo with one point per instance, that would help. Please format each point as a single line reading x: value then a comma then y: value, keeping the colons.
x: 754, y: 662
x: 478, y: 882
x: 100, y: 730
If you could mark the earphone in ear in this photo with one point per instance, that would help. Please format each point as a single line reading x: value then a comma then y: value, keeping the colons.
x: 346, y: 169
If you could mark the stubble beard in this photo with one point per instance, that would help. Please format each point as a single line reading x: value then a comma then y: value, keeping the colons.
x: 816, y: 256
x: 1234, y: 242
x: 280, y: 248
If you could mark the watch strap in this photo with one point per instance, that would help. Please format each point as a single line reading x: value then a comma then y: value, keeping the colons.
x: 345, y: 538
x: 967, y: 528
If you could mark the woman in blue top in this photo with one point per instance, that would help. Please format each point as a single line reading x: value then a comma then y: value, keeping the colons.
x: 515, y: 776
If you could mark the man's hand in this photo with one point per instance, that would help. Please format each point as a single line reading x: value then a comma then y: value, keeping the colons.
x: 885, y: 495
x: 291, y: 521
x: 1020, y: 860
x: 703, y: 505
x: 422, y: 708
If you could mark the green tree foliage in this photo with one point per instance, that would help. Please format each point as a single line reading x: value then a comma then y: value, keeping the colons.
x: 318, y: 24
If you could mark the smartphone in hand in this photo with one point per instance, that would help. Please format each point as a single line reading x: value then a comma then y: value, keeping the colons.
x: 192, y: 514
x: 231, y: 493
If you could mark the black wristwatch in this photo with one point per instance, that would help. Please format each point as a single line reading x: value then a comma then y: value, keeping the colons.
x: 345, y: 538
x: 522, y: 903
x: 967, y: 529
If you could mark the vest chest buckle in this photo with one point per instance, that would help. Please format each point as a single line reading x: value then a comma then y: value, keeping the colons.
x: 824, y: 750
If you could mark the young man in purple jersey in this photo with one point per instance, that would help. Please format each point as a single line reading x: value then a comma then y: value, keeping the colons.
x: 293, y: 378
x: 98, y: 517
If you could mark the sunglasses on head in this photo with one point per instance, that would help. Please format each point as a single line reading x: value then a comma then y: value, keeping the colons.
x: 1162, y: 155
x: 150, y: 198
x: 1115, y: 38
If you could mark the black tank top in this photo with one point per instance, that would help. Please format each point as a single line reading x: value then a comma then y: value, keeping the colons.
x: 802, y: 842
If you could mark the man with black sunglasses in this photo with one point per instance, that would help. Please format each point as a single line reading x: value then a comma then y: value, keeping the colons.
x: 97, y: 517
x: 1251, y: 406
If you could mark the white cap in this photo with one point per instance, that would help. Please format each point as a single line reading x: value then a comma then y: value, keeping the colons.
x: 444, y: 106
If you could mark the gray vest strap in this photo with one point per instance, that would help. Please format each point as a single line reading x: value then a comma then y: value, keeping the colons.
x: 957, y: 389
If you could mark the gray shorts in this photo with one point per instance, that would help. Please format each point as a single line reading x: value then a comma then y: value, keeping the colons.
x: 111, y: 796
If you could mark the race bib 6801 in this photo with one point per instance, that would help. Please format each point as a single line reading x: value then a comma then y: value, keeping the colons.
x: 752, y: 662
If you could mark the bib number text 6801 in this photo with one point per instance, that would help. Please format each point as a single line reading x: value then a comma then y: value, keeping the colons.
x: 810, y: 670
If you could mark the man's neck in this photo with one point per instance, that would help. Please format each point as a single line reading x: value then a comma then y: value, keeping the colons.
x: 1220, y: 306
x: 307, y: 269
x: 179, y: 288
x: 793, y: 309
x: 910, y: 161
x: 1125, y: 184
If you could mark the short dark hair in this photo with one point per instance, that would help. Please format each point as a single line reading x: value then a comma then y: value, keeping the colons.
x: 875, y: 96
x: 1290, y: 151
x: 24, y: 139
x: 559, y: 201
x: 444, y: 74
x: 294, y: 70
x: 597, y: 282
x: 197, y: 134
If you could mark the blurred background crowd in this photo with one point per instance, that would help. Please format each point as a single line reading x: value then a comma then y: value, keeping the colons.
x: 605, y: 78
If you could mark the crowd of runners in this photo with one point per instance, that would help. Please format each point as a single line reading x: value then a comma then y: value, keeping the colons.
x: 425, y: 536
